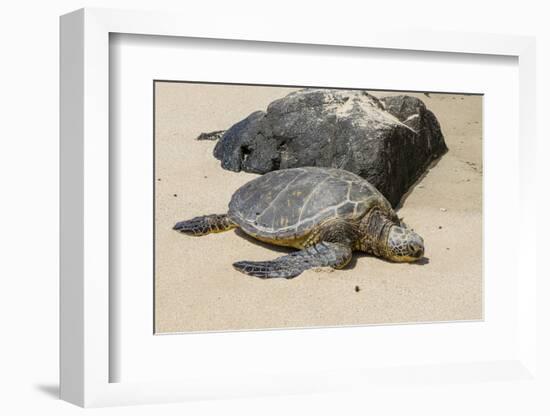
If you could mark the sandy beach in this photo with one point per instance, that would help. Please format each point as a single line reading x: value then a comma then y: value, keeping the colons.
x: 197, y: 289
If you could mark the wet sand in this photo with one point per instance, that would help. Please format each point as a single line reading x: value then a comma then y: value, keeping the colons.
x: 197, y: 289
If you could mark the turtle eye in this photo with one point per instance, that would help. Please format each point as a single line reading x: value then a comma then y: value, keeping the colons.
x: 413, y: 248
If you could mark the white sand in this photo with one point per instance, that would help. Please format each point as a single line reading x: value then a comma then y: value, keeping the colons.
x: 197, y: 289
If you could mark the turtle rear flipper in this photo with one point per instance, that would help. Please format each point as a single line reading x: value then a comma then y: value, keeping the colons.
x: 320, y: 255
x: 205, y: 224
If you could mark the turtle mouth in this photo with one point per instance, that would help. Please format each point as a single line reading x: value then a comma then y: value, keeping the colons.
x: 418, y: 254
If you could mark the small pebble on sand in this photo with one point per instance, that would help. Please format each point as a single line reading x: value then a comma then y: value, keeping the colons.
x: 357, y: 288
x: 443, y: 209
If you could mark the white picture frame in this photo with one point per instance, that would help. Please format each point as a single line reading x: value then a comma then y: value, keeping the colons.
x: 85, y: 165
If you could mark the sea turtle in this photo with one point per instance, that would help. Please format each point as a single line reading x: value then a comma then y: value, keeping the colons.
x: 326, y: 213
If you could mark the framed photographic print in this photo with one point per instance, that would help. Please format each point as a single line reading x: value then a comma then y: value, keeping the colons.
x: 309, y: 216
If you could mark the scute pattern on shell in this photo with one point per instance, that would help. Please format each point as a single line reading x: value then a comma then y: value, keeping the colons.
x: 290, y: 203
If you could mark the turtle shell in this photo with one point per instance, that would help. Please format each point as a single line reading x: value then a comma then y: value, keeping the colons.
x: 288, y: 204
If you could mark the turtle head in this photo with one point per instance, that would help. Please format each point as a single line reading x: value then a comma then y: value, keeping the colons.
x: 403, y: 244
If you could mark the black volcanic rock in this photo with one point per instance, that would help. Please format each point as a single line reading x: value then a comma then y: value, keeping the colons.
x: 388, y: 141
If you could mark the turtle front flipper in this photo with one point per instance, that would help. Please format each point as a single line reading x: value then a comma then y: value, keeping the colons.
x: 320, y: 255
x: 205, y: 225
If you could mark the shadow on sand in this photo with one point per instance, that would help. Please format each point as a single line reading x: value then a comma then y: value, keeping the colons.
x: 285, y: 250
